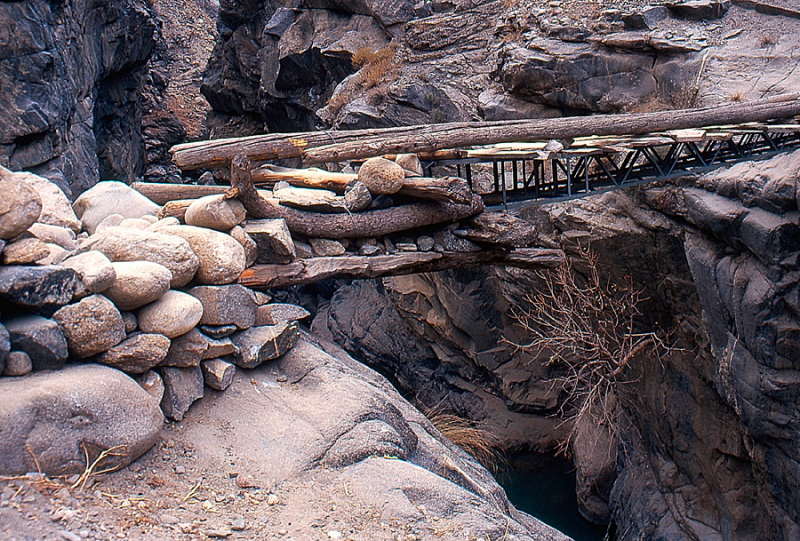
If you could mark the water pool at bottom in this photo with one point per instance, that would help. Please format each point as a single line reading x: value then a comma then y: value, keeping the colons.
x: 546, y: 490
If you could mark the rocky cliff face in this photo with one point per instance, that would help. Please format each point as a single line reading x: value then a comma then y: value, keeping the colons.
x: 708, y: 442
x: 72, y: 74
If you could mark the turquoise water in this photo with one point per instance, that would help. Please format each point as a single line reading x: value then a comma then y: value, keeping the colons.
x: 546, y: 490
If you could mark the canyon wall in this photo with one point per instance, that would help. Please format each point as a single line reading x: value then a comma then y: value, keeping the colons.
x: 706, y: 442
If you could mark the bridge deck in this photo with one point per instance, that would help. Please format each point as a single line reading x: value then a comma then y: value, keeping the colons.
x: 543, y: 172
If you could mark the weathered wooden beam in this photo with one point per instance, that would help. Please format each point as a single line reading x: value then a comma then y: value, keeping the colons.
x: 162, y: 193
x: 327, y: 146
x: 452, y: 189
x: 308, y: 271
x: 372, y: 223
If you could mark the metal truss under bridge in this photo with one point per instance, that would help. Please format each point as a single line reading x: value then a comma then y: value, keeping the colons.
x: 539, y: 173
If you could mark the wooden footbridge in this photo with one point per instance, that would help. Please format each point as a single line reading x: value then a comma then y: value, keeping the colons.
x: 489, y: 166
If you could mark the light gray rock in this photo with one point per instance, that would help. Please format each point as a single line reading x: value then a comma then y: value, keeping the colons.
x: 273, y: 240
x: 272, y: 314
x: 158, y: 224
x: 41, y: 339
x: 136, y: 223
x: 259, y: 344
x: 20, y: 207
x: 187, y: 349
x: 700, y: 10
x: 122, y: 244
x: 247, y: 242
x: 174, y: 314
x: 137, y: 354
x: 24, y: 252
x: 221, y: 258
x: 452, y: 243
x: 56, y: 208
x: 18, y: 363
x: 94, y: 269
x: 425, y: 243
x: 215, y: 212
x: 56, y: 256
x: 55, y: 234
x: 138, y: 283
x: 494, y: 104
x: 182, y: 386
x: 381, y: 176
x: 112, y: 220
x: 218, y: 374
x: 226, y: 305
x: 111, y: 197
x: 49, y: 418
x: 152, y: 383
x: 327, y: 247
x: 92, y: 325
x: 411, y: 163
x: 357, y: 197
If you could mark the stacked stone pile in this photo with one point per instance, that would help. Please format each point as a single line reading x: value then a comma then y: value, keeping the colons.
x: 105, y: 281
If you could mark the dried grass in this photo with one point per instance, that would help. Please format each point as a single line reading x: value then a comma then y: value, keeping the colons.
x: 471, y: 436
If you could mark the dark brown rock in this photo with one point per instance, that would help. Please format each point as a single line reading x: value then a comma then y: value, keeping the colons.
x: 186, y: 350
x: 42, y: 339
x: 43, y: 289
x: 226, y: 305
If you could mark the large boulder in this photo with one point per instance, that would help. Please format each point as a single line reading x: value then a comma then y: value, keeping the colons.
x: 111, y: 197
x: 92, y: 325
x: 50, y: 420
x: 221, y: 259
x: 20, y: 207
x: 381, y: 176
x: 126, y: 244
x: 138, y: 283
x: 56, y: 208
x: 41, y: 339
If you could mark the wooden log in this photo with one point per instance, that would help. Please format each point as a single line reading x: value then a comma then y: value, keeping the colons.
x: 162, y: 193
x: 304, y: 178
x: 374, y: 223
x: 308, y: 271
x: 320, y: 147
x: 448, y: 189
x: 175, y: 209
x: 452, y: 189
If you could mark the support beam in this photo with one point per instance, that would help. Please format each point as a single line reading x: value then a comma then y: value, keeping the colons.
x: 372, y: 223
x: 327, y: 146
x: 309, y: 271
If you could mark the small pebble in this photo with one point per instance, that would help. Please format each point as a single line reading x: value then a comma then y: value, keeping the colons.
x: 168, y: 519
x: 282, y: 379
x: 69, y: 536
x: 272, y: 499
x: 180, y: 469
x: 238, y: 524
x: 333, y: 534
x: 282, y: 532
x: 28, y: 499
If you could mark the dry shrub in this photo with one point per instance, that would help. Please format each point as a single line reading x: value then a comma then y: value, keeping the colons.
x: 587, y: 327
x: 375, y: 70
x: 471, y: 436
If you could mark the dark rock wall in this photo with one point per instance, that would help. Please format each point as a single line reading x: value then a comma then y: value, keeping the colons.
x: 708, y: 445
x: 72, y: 77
